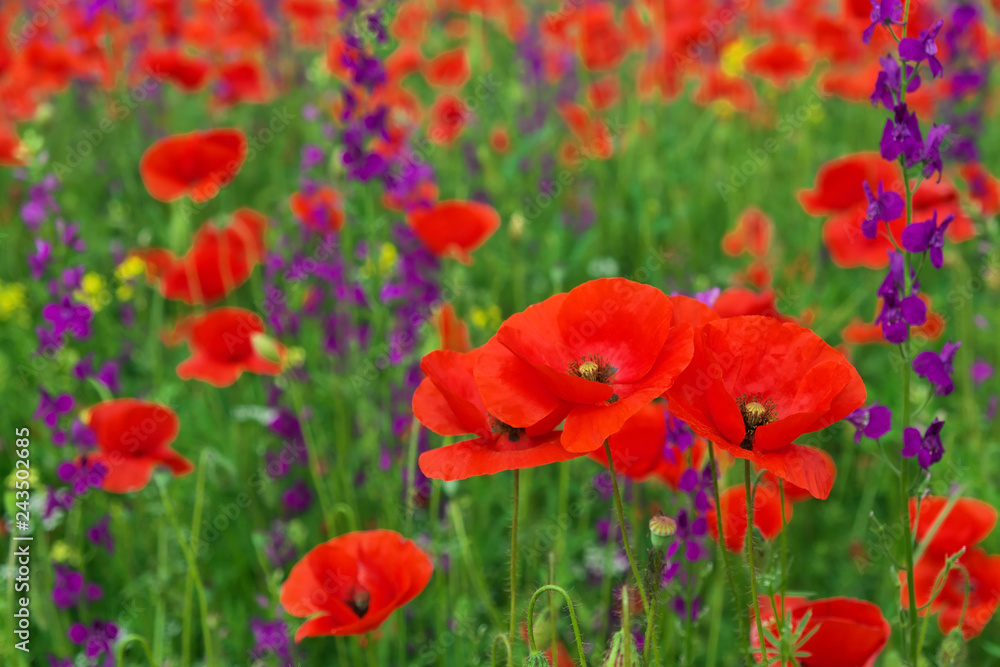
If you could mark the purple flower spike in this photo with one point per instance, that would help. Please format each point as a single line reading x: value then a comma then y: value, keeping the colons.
x: 887, y: 206
x: 927, y: 236
x: 927, y: 447
x: 884, y: 12
x: 888, y: 83
x: 899, y: 311
x: 40, y: 259
x: 931, y: 156
x: 938, y: 368
x: 100, y: 534
x: 923, y: 48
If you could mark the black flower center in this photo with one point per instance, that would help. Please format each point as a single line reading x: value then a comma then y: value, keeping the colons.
x: 359, y: 602
x: 756, y: 411
x: 500, y: 429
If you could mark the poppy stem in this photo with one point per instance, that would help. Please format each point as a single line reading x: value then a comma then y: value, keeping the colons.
x: 784, y: 548
x: 621, y: 525
x: 513, y: 559
x: 724, y: 555
x: 193, y: 565
x: 572, y: 619
x: 753, y: 573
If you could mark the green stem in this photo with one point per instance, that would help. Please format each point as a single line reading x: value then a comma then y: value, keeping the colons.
x: 193, y: 565
x: 753, y: 573
x: 784, y: 548
x: 626, y: 628
x: 128, y: 639
x: 621, y: 525
x: 411, y: 471
x: 744, y: 637
x: 513, y: 561
x: 199, y: 498
x: 552, y: 610
x: 313, y: 454
x: 572, y: 619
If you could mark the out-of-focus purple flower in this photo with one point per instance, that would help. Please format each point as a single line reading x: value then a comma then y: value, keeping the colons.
x: 872, y: 422
x: 98, y: 638
x: 51, y: 408
x: 927, y: 447
x: 69, y: 588
x: 885, y: 207
x: 901, y: 136
x: 69, y: 234
x: 297, y: 498
x: 884, y: 12
x: 84, y: 368
x: 311, y: 156
x: 698, y: 484
x: 81, y: 435
x: 927, y: 236
x: 923, y: 48
x: 277, y: 547
x: 40, y: 258
x: 938, y: 368
x: 980, y: 371
x: 66, y: 315
x: 108, y: 376
x: 709, y: 296
x: 100, y: 534
x: 72, y: 277
x: 991, y: 407
x: 59, y: 662
x: 271, y: 639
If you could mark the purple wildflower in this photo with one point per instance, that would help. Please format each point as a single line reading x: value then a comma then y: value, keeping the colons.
x: 884, y: 12
x: 885, y: 207
x: 980, y: 371
x: 927, y: 236
x: 927, y: 447
x: 923, y: 48
x: 100, y: 534
x: 899, y: 311
x: 901, y: 136
x: 50, y: 409
x: 872, y: 422
x: 938, y: 368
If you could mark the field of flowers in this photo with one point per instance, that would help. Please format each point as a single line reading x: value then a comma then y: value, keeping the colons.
x: 412, y: 333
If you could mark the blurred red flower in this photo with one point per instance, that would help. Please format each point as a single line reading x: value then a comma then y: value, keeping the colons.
x: 448, y: 70
x: 174, y: 65
x: 845, y: 632
x: 352, y: 584
x: 196, y: 164
x: 766, y: 515
x: 133, y: 437
x: 595, y: 355
x: 224, y: 343
x: 218, y: 261
x: 454, y: 227
x: 452, y: 331
x: 322, y: 209
x: 755, y: 384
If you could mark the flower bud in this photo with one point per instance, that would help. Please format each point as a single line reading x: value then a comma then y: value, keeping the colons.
x: 616, y: 654
x: 661, y: 527
x: 542, y: 629
x: 537, y: 659
x: 266, y: 347
x: 952, y: 652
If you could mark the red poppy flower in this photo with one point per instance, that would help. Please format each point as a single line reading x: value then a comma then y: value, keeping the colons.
x: 499, y: 140
x: 637, y: 448
x: 794, y: 493
x: 690, y: 311
x: 595, y: 355
x: 321, y: 209
x: 403, y: 61
x: 410, y: 23
x: 133, y: 437
x: 218, y: 262
x: 983, y: 188
x: 448, y: 402
x: 839, y: 188
x: 454, y: 227
x: 779, y: 63
x: 752, y: 234
x: 224, y: 343
x: 983, y: 591
x: 449, y: 116
x: 604, y: 93
x: 196, y: 164
x: 241, y: 82
x: 173, y: 65
x: 352, y: 584
x: 718, y: 87
x: 755, y: 384
x: 740, y: 301
x: 448, y: 70
x: 766, y: 515
x: 11, y: 148
x: 843, y: 632
x: 967, y: 523
x: 452, y: 331
x: 602, y: 42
